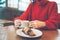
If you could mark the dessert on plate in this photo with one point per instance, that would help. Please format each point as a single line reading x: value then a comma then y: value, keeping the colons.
x: 28, y: 31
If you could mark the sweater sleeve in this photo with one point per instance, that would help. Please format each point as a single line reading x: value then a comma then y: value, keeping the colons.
x: 25, y: 14
x: 51, y: 23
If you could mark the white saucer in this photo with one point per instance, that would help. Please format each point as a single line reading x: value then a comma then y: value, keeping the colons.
x: 37, y: 32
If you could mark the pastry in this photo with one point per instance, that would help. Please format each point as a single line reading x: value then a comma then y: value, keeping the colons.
x: 28, y: 31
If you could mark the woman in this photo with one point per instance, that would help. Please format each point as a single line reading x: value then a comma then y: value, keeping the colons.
x: 42, y: 14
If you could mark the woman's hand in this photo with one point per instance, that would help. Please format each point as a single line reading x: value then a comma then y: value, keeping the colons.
x: 17, y: 22
x: 37, y: 24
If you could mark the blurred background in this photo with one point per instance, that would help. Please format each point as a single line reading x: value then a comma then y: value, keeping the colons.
x: 10, y: 9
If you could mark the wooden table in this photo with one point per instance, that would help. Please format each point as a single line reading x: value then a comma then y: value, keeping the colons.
x: 47, y: 34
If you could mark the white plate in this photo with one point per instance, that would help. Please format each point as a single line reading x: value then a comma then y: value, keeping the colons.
x: 38, y: 33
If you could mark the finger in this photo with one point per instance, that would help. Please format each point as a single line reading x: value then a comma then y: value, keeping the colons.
x: 30, y: 24
x: 17, y: 23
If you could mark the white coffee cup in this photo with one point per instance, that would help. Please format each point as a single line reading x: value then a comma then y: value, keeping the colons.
x: 24, y: 24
